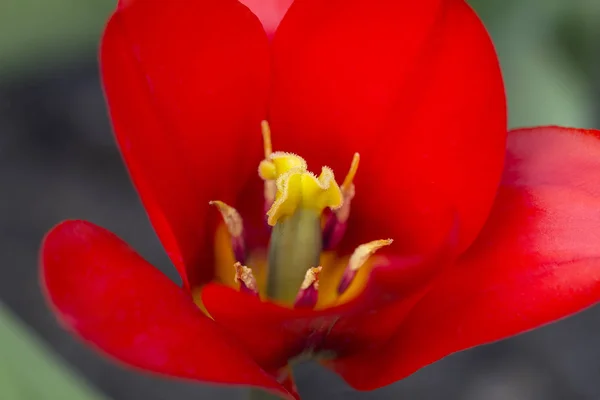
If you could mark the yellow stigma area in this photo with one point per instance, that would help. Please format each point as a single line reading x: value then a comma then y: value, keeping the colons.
x: 299, y: 188
x: 295, y: 187
x: 279, y: 163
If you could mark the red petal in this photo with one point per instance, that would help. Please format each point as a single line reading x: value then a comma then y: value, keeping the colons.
x: 186, y: 84
x: 270, y: 12
x: 537, y: 260
x: 415, y: 87
x: 271, y: 334
x: 111, y: 297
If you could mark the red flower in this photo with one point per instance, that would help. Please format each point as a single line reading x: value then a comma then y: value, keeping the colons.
x: 493, y: 237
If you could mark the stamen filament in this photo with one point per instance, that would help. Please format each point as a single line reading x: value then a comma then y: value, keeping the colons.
x: 308, y: 294
x: 333, y: 232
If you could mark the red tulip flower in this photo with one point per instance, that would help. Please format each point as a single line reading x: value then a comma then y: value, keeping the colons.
x: 493, y: 234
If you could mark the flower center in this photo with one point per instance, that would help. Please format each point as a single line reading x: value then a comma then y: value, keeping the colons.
x: 308, y: 215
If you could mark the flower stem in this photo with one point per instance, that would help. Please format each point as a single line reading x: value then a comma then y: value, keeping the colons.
x: 258, y: 394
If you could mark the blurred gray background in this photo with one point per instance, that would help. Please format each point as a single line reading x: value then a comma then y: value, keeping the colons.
x: 58, y: 161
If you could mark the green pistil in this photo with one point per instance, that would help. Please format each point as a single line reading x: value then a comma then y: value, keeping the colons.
x: 296, y: 244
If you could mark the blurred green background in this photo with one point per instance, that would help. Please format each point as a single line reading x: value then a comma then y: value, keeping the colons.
x: 57, y: 160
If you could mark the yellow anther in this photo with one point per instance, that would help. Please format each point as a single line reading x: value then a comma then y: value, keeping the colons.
x: 298, y: 188
x: 364, y: 251
x: 266, y: 134
x: 311, y: 278
x: 351, y: 173
x: 245, y: 277
x: 232, y: 219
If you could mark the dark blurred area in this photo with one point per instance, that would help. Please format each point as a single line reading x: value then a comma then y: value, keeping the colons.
x: 58, y: 161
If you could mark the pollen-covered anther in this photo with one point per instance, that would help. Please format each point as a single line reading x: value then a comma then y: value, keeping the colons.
x: 309, y: 290
x: 235, y: 226
x: 358, y: 259
x: 245, y: 278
